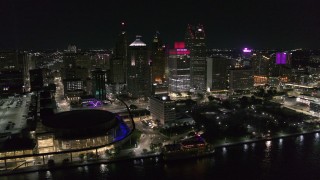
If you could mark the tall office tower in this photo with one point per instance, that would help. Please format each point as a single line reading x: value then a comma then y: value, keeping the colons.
x: 11, y: 81
x: 69, y: 60
x: 138, y: 79
x: 261, y: 64
x: 25, y: 63
x: 36, y: 79
x: 118, y: 64
x: 99, y: 78
x: 179, y: 68
x: 8, y: 60
x: 73, y: 89
x: 157, y: 60
x: 300, y: 58
x: 195, y: 42
x: 72, y: 48
x: 240, y: 79
x: 217, y: 71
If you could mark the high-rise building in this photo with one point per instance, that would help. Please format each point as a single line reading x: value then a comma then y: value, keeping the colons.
x: 179, y: 68
x: 11, y: 81
x: 138, y: 79
x: 28, y: 64
x: 281, y: 58
x: 217, y: 71
x: 157, y: 60
x: 300, y: 58
x: 73, y: 89
x: 195, y: 42
x: 69, y: 60
x: 240, y: 79
x: 8, y: 60
x: 162, y: 109
x: 72, y: 48
x: 36, y: 79
x: 99, y: 78
x: 118, y: 65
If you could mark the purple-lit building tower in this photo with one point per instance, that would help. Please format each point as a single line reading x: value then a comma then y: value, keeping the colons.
x: 281, y: 58
x: 247, y: 53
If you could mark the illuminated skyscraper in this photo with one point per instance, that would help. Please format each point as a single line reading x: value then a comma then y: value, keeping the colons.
x: 195, y: 42
x: 157, y: 60
x: 281, y: 58
x: 118, y: 64
x: 99, y: 78
x: 138, y: 79
x: 179, y: 68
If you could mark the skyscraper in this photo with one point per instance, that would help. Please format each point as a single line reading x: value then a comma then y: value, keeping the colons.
x: 138, y: 78
x: 179, y: 68
x: 118, y: 64
x: 217, y: 70
x: 195, y: 42
x: 36, y: 79
x: 99, y: 78
x: 157, y: 60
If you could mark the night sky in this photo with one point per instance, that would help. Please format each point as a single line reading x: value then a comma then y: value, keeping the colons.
x: 43, y: 24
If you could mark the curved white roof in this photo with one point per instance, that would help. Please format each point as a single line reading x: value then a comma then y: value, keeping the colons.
x: 138, y: 42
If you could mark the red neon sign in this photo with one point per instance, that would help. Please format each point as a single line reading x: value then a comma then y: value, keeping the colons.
x: 179, y: 45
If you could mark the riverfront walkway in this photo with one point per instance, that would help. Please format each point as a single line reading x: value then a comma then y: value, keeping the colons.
x: 157, y: 156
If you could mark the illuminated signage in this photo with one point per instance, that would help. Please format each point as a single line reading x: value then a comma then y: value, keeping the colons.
x: 246, y: 50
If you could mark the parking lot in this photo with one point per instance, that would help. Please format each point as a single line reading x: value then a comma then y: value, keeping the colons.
x: 13, y: 114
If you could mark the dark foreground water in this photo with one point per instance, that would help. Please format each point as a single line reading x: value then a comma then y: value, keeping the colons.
x: 289, y: 158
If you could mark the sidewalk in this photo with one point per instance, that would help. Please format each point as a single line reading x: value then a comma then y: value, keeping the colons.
x: 126, y: 158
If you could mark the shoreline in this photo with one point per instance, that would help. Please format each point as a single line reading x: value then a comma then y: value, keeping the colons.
x: 42, y: 168
x: 266, y: 139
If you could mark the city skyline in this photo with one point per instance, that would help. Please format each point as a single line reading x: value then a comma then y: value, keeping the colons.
x: 268, y: 24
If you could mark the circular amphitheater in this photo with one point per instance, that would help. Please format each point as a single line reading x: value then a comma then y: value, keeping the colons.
x: 80, y: 129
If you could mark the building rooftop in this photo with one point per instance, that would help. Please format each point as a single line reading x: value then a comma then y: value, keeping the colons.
x: 138, y: 42
x: 80, y: 119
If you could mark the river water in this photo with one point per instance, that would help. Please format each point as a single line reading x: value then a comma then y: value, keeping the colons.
x: 287, y: 158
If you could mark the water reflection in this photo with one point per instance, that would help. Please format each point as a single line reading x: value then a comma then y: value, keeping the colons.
x: 86, y: 169
x: 300, y: 139
x: 280, y: 141
x: 283, y: 158
x: 224, y: 151
x: 268, y: 149
x: 80, y: 168
x: 268, y: 144
x: 245, y: 147
x: 48, y: 175
x: 103, y: 168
